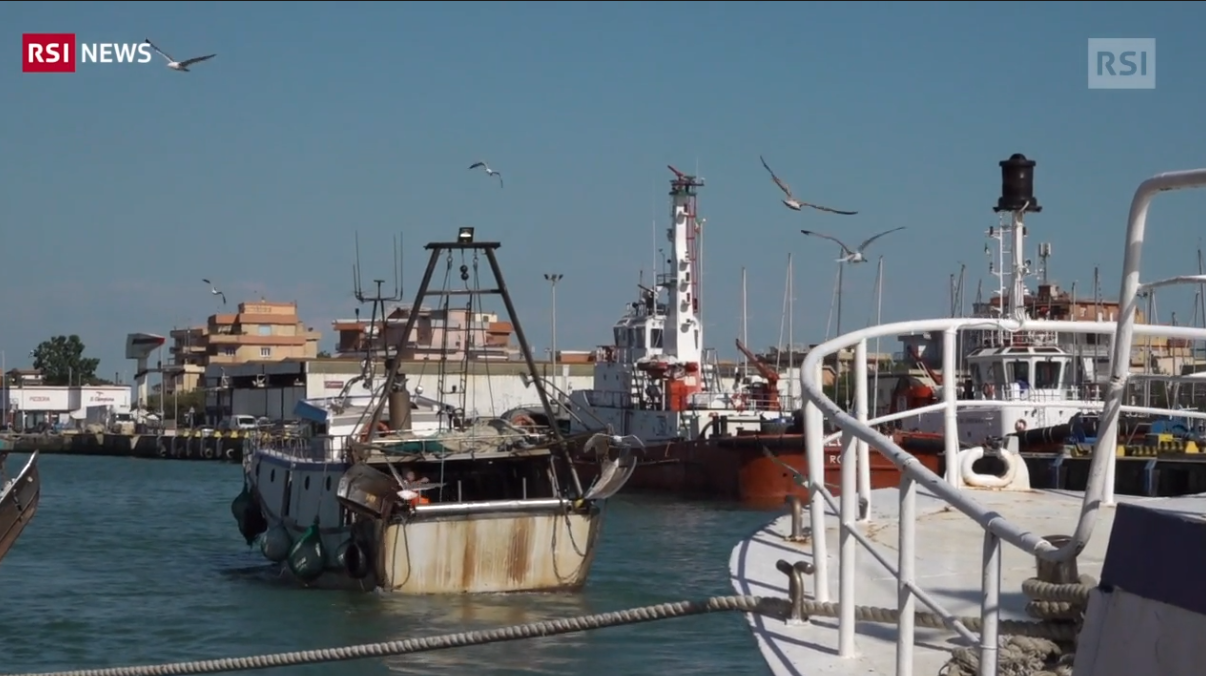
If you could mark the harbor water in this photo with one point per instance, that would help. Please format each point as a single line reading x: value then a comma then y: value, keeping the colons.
x: 139, y: 561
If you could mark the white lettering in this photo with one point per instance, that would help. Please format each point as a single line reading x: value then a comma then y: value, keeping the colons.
x: 835, y: 460
x: 50, y: 53
x: 115, y: 52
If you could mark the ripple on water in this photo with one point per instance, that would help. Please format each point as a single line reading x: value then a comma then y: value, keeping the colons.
x: 136, y: 561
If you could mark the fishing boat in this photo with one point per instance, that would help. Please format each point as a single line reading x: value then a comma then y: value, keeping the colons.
x: 408, y: 495
x: 976, y: 571
x: 658, y: 382
x: 19, y: 496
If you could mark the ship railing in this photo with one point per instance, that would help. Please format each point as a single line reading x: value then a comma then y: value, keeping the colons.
x: 299, y: 447
x: 1060, y: 395
x: 858, y: 435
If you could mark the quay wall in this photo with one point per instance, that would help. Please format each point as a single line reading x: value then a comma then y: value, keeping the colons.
x: 225, y: 447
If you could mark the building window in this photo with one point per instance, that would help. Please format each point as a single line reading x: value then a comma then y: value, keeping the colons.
x: 228, y: 351
x: 265, y: 352
x: 264, y: 330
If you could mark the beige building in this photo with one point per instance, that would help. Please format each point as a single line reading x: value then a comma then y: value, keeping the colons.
x: 259, y: 331
x: 456, y: 334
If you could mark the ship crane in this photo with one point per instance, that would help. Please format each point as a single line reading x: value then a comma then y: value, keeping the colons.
x: 767, y: 399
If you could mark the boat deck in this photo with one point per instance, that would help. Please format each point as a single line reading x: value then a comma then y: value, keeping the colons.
x: 949, y: 554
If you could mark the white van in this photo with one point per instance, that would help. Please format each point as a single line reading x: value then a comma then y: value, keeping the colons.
x: 238, y: 422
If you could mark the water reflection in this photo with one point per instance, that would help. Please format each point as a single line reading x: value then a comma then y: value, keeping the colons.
x: 416, y: 617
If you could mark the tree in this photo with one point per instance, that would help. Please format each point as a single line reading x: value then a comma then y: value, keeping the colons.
x: 323, y: 354
x: 61, y: 361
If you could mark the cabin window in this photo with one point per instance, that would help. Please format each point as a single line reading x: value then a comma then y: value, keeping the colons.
x: 1019, y: 371
x: 977, y: 378
x: 655, y: 338
x: 621, y: 337
x: 998, y: 373
x: 640, y: 337
x: 1046, y: 375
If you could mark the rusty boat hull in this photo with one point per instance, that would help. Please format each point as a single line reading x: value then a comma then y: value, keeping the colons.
x: 737, y: 468
x: 18, y: 503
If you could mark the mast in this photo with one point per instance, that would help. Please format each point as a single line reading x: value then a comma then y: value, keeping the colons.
x: 1017, y: 198
x: 745, y: 331
x: 791, y: 331
x: 684, y: 333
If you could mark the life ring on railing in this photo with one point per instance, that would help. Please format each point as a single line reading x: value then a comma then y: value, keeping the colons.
x: 988, y: 390
x: 381, y: 427
x: 1019, y: 426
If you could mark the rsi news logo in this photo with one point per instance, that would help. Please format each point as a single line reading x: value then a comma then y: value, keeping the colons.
x: 60, y: 52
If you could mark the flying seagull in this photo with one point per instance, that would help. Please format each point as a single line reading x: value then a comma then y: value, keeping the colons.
x: 852, y: 255
x: 214, y: 290
x: 179, y: 65
x: 791, y: 201
x: 489, y: 171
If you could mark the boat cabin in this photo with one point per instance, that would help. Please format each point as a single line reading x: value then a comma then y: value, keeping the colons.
x: 1025, y: 372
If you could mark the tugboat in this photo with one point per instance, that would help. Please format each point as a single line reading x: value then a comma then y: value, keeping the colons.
x: 658, y: 382
x: 19, y: 497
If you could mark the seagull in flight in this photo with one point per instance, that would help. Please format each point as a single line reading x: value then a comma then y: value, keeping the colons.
x: 795, y: 204
x: 489, y: 172
x: 181, y: 66
x: 214, y: 290
x: 851, y: 255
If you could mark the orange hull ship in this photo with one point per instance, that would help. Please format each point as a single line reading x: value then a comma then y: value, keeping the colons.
x: 738, y: 468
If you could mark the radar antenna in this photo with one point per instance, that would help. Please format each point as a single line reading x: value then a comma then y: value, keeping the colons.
x: 375, y: 331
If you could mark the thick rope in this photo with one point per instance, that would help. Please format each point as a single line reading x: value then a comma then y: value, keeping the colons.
x: 1062, y: 605
x: 774, y: 607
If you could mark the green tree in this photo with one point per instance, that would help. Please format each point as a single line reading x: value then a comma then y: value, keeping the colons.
x: 323, y: 354
x: 62, y: 362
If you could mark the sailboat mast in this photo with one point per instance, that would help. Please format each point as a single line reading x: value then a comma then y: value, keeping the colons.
x: 745, y: 335
x: 791, y: 332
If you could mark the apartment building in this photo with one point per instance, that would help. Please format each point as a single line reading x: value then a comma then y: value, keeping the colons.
x: 258, y: 331
x: 455, y: 334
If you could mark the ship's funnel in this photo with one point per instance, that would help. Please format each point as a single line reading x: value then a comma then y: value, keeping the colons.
x: 1017, y: 185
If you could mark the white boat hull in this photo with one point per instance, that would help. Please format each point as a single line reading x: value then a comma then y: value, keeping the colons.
x: 488, y: 553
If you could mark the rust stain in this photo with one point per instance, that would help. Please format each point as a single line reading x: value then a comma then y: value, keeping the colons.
x: 519, y: 550
x: 469, y: 560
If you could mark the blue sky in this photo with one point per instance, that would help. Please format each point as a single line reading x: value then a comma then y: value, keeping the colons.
x: 122, y: 186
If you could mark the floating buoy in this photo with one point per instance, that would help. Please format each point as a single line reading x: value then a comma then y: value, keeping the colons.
x: 307, y: 558
x: 354, y: 559
x: 238, y: 506
x: 253, y: 521
x: 275, y: 544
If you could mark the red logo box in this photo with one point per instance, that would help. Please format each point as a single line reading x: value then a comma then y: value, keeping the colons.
x: 48, y: 52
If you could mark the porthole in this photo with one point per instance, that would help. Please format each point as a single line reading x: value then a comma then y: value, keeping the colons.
x: 306, y: 484
x: 272, y: 476
x: 328, y: 483
x: 257, y: 470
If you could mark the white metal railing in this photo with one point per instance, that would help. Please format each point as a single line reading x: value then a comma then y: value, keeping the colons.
x: 858, y: 436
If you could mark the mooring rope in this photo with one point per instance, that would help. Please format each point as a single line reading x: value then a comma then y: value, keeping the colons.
x: 774, y: 607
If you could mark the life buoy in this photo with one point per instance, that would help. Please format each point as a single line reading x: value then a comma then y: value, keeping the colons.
x: 739, y: 402
x: 523, y: 420
x: 381, y: 427
x: 1019, y: 426
x: 988, y: 390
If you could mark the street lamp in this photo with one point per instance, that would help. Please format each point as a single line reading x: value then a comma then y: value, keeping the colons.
x: 552, y: 278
